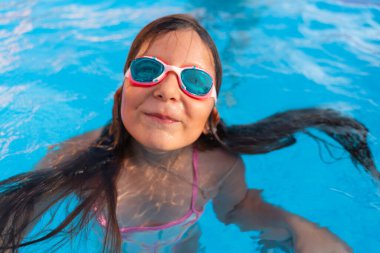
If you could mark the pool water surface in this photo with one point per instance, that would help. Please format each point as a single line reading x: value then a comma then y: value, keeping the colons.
x: 61, y: 61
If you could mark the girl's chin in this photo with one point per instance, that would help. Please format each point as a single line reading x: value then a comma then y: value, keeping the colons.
x: 162, y: 145
x: 157, y: 140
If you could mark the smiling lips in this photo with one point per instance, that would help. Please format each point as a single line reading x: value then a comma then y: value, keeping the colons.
x: 162, y: 118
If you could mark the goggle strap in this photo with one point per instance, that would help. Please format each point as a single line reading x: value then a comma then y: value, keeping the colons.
x: 126, y: 75
x: 213, y: 93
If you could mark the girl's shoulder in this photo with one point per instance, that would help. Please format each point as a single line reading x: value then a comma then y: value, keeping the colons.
x: 68, y: 149
x: 215, y: 166
x: 219, y: 158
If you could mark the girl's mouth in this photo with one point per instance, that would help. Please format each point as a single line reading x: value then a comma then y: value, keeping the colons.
x: 162, y: 118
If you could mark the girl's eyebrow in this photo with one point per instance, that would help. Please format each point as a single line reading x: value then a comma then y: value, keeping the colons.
x: 195, y: 65
x: 187, y: 64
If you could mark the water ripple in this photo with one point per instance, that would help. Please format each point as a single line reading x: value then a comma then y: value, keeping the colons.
x: 321, y: 48
x: 46, y: 26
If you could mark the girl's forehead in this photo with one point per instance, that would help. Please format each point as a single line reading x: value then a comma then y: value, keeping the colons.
x: 182, y: 47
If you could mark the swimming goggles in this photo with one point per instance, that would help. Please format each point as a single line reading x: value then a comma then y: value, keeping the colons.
x: 147, y: 71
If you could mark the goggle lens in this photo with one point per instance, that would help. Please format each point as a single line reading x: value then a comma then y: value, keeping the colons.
x: 145, y: 70
x: 196, y: 81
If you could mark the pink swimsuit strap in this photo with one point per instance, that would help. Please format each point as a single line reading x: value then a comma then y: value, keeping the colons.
x: 187, y: 215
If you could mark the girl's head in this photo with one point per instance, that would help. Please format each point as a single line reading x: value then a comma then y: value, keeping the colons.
x: 167, y: 24
x: 163, y: 117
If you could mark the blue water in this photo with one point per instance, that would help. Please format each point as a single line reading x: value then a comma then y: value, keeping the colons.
x: 61, y: 61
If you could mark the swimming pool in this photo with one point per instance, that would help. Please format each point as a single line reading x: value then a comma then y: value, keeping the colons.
x: 60, y: 62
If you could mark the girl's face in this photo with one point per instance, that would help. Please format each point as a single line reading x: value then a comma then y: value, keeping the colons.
x: 163, y: 117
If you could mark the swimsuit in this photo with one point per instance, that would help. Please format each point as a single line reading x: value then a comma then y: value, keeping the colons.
x: 152, y: 237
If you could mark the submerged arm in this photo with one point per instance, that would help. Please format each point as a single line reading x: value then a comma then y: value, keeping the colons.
x: 235, y: 204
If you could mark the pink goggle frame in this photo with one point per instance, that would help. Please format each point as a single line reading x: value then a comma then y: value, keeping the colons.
x: 177, y: 70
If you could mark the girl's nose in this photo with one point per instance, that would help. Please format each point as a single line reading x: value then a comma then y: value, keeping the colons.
x: 168, y: 88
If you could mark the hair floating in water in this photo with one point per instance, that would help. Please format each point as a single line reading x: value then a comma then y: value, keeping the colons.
x: 277, y: 131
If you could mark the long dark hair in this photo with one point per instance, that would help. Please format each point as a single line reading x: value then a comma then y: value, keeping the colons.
x: 91, y: 174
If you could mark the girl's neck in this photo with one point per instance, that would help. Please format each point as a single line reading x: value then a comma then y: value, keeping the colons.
x: 155, y: 157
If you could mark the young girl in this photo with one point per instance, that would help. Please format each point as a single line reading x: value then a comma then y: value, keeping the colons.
x: 147, y: 175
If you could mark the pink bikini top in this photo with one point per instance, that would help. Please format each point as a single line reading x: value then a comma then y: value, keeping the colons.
x: 188, y: 219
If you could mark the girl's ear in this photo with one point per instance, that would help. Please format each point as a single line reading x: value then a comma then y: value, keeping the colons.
x: 206, y: 129
x: 212, y: 122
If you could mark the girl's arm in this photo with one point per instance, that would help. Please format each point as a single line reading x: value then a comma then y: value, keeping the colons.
x: 235, y: 204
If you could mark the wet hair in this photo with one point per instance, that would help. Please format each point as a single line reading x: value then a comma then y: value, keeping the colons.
x: 91, y: 174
